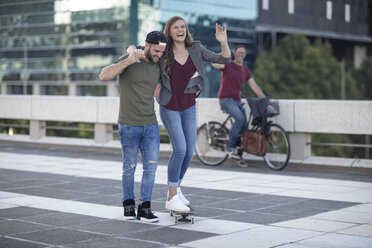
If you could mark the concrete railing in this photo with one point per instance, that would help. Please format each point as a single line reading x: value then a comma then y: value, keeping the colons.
x: 299, y: 118
x: 72, y: 87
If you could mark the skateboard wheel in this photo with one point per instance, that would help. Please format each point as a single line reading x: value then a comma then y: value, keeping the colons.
x: 192, y: 221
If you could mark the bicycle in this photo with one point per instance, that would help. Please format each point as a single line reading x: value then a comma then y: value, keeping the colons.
x: 213, y: 136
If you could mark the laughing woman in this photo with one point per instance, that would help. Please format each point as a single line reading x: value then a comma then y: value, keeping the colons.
x: 182, y: 71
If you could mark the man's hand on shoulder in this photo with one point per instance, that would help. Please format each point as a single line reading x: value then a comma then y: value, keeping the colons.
x: 135, y: 55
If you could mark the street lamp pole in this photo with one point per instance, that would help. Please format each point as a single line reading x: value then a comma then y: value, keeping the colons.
x: 25, y: 61
x: 343, y: 95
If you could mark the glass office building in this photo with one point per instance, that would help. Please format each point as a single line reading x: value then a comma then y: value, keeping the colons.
x: 58, y: 47
x: 53, y: 44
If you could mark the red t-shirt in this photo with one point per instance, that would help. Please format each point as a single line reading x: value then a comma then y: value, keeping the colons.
x: 232, y: 78
x: 180, y: 76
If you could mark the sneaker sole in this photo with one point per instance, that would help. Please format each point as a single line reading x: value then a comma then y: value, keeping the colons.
x: 241, y: 164
x: 129, y: 217
x: 234, y: 156
x: 148, y: 220
x: 177, y: 210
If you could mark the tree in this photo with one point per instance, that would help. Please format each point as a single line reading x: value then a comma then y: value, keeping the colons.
x: 363, y: 77
x: 297, y: 69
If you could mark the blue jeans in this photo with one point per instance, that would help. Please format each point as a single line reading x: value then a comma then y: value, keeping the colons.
x: 147, y: 139
x: 236, y: 110
x: 181, y: 128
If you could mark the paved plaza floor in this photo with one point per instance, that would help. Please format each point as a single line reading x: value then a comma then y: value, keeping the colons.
x: 60, y: 198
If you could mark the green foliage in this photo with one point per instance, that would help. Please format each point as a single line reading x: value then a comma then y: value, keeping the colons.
x: 17, y: 129
x: 297, y: 69
x: 336, y: 151
x: 59, y: 90
x: 98, y: 90
x: 85, y: 132
x: 93, y: 90
x: 353, y: 91
x: 363, y: 77
x: 332, y: 151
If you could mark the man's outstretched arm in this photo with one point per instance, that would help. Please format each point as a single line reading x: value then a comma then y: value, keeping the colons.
x: 218, y: 66
x: 255, y: 88
x: 111, y: 71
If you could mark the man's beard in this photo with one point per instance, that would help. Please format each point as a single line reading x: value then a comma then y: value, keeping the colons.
x: 149, y: 56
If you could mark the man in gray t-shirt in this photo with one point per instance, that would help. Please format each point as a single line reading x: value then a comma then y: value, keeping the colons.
x: 138, y: 74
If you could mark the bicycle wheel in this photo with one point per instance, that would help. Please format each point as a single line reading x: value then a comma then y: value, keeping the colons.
x: 210, y: 143
x: 277, y: 148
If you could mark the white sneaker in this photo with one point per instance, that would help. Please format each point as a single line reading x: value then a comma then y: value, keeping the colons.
x: 182, y: 197
x: 175, y: 204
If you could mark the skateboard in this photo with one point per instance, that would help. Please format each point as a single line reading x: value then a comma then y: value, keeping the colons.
x: 182, y: 216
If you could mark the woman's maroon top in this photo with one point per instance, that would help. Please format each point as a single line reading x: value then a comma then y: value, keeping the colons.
x: 180, y: 76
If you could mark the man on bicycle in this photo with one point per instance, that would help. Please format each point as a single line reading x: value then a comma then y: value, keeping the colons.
x: 233, y: 76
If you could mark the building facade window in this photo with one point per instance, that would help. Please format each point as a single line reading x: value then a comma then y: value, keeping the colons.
x: 347, y: 12
x: 329, y: 10
x: 265, y: 4
x: 291, y: 6
x: 64, y: 42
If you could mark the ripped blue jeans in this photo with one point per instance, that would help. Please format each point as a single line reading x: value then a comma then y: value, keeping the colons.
x: 147, y: 140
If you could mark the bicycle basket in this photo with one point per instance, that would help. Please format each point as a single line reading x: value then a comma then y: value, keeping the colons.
x: 272, y: 109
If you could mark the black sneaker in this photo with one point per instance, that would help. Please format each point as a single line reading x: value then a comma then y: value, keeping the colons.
x: 233, y: 152
x: 129, y: 209
x: 145, y: 213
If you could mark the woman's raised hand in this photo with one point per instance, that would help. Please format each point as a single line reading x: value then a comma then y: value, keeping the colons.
x: 221, y: 34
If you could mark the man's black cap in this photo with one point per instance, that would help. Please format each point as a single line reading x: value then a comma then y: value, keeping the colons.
x: 156, y: 37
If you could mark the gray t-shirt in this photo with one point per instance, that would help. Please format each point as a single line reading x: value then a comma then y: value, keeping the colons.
x: 137, y: 84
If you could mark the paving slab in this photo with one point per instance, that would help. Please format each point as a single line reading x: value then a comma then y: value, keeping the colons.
x: 115, y: 227
x: 10, y: 227
x: 317, y: 225
x: 58, y: 236
x: 21, y: 212
x: 360, y: 230
x: 169, y: 235
x: 10, y: 242
x: 338, y: 241
x: 116, y: 243
x: 62, y: 219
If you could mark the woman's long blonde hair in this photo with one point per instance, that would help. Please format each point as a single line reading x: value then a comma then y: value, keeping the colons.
x: 169, y: 56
